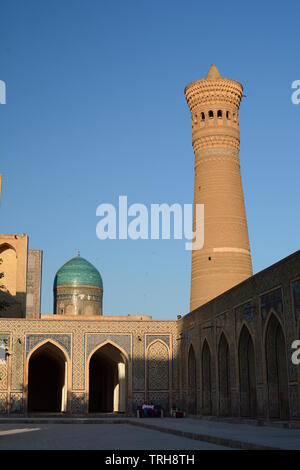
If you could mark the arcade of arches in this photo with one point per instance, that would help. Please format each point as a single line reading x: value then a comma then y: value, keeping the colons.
x: 276, y: 370
x: 48, y: 380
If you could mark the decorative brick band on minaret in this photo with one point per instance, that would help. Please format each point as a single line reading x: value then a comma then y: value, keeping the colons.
x: 225, y: 259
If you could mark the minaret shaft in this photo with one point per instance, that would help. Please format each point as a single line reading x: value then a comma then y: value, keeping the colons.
x: 225, y: 259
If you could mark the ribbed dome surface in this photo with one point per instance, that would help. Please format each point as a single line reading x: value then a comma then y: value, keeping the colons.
x: 78, y: 272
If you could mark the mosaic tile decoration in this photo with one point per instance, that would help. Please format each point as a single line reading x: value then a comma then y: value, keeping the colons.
x: 33, y: 340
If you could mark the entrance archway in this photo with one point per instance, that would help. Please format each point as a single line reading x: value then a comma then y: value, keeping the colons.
x: 277, y: 373
x: 107, y: 380
x: 224, y: 378
x: 47, y: 380
x: 206, y: 380
x: 247, y: 375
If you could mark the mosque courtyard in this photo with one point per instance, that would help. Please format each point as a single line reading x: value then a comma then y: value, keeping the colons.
x: 143, y: 434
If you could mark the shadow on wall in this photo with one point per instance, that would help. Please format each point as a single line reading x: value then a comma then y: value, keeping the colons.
x: 219, y: 373
x: 14, y: 304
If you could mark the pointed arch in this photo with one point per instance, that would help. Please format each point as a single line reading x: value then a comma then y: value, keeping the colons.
x: 276, y: 367
x: 224, y: 376
x: 104, y: 343
x: 192, y: 381
x: 8, y: 255
x: 157, y: 366
x: 247, y: 374
x: 48, y: 374
x: 4, y: 246
x: 45, y: 342
x: 206, y: 379
x: 107, y: 371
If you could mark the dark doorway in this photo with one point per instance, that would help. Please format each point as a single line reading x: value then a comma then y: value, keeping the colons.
x: 46, y: 380
x: 248, y: 401
x: 192, y: 381
x: 107, y: 381
x: 206, y: 380
x: 277, y: 373
x: 224, y: 378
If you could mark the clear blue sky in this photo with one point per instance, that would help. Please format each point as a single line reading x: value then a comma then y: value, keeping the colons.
x: 96, y: 108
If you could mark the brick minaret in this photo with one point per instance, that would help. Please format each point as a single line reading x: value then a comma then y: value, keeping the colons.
x: 225, y: 259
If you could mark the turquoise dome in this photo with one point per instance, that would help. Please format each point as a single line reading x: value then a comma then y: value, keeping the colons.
x: 78, y: 272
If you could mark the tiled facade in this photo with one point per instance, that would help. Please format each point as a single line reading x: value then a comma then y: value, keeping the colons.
x: 33, y: 288
x: 145, y: 343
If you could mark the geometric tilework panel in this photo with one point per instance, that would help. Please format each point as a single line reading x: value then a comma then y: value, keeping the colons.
x: 244, y: 313
x: 164, y: 338
x: 158, y: 366
x: 78, y: 366
x: 3, y: 376
x: 138, y: 366
x: 4, y: 347
x: 6, y: 339
x: 138, y: 399
x: 16, y: 402
x: 271, y: 300
x: 33, y: 339
x: 93, y: 340
x: 3, y: 402
x: 159, y: 398
x: 296, y: 294
x: 78, y: 404
x: 17, y: 367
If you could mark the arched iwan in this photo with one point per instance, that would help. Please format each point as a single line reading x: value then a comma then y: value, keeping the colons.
x: 277, y: 372
x: 107, y: 368
x: 224, y: 377
x: 192, y: 381
x: 247, y: 374
x: 206, y: 380
x: 47, y: 373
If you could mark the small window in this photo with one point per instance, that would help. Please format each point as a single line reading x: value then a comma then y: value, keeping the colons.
x: 228, y: 115
x: 220, y: 114
x: 202, y: 117
x: 210, y: 114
